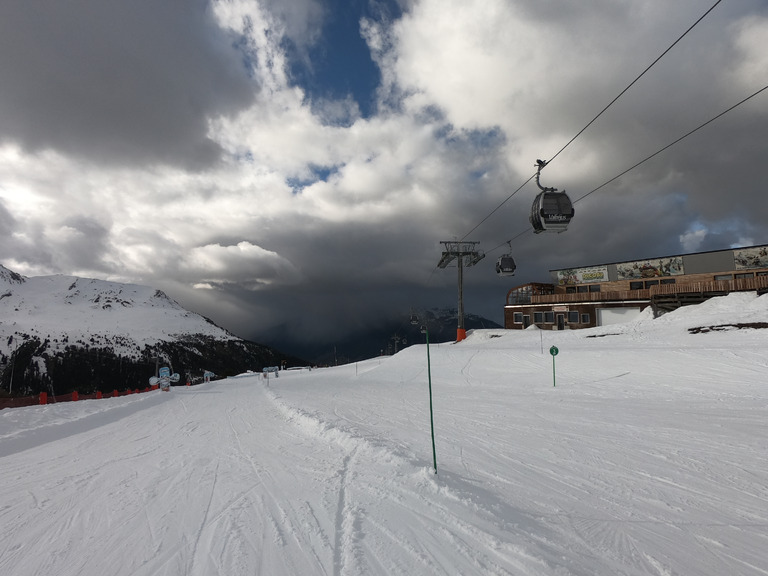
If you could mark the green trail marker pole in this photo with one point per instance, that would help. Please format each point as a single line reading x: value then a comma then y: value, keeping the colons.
x: 554, y: 352
x: 431, y: 417
x: 425, y: 331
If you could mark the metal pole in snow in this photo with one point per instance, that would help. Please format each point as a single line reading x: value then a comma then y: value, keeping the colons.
x: 425, y: 331
x: 431, y: 417
x: 554, y: 352
x: 553, y: 372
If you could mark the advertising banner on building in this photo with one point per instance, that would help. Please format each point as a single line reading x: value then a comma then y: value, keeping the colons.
x: 582, y: 275
x: 650, y: 268
x: 751, y: 258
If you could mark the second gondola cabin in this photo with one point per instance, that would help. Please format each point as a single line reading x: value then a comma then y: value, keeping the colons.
x: 505, y: 265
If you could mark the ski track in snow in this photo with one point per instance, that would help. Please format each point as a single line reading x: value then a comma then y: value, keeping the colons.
x: 649, y: 457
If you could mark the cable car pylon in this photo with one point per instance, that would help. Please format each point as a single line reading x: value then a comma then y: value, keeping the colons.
x: 465, y: 254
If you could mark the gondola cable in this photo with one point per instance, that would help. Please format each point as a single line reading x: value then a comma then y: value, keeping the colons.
x: 649, y: 157
x: 651, y: 65
x: 684, y: 136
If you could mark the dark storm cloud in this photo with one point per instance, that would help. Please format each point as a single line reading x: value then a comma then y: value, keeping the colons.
x: 124, y: 82
x: 354, y: 275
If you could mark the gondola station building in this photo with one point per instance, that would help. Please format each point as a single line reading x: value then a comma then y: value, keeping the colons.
x: 613, y: 293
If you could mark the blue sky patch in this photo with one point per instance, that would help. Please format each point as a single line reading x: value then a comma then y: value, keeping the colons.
x: 318, y: 174
x: 340, y: 62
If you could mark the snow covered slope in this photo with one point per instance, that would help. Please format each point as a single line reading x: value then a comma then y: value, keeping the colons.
x: 648, y: 457
x: 67, y: 308
x: 63, y: 333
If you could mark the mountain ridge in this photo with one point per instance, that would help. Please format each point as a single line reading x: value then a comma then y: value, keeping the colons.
x: 63, y: 333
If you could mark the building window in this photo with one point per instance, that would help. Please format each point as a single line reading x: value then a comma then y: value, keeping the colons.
x: 667, y: 280
x: 585, y: 318
x: 573, y: 317
x: 549, y: 317
x: 635, y: 285
x: 538, y: 317
x: 744, y: 275
x: 723, y: 277
x: 517, y: 318
x: 763, y: 273
x: 570, y: 289
x: 649, y: 283
x: 594, y: 288
x: 582, y: 288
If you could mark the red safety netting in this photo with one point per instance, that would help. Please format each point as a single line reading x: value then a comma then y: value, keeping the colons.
x: 45, y: 398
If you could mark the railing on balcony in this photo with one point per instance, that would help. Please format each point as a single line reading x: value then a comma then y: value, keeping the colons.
x: 714, y: 287
x: 738, y: 285
x: 591, y: 297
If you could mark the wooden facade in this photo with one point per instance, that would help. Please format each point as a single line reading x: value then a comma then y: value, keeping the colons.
x: 578, y: 301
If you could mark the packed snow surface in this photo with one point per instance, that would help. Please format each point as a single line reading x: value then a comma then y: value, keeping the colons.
x: 639, y: 449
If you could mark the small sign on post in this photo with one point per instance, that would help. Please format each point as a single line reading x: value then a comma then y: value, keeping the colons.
x: 554, y: 352
x: 164, y: 378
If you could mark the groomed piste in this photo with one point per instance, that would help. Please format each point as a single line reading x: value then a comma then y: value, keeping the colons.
x: 645, y: 452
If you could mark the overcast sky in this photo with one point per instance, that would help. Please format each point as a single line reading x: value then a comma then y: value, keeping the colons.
x: 296, y: 164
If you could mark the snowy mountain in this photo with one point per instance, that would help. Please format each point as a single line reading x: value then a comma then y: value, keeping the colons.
x: 61, y: 329
x: 648, y: 457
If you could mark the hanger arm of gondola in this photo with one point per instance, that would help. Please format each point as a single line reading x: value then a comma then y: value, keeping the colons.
x: 539, y: 165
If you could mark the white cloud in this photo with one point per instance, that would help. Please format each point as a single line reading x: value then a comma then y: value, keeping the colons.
x: 751, y: 41
x: 243, y: 263
x: 692, y: 240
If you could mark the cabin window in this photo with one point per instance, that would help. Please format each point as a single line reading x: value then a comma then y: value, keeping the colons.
x: 549, y: 317
x: 763, y: 273
x: 582, y: 288
x: 722, y: 277
x: 744, y: 275
x: 635, y: 285
x: 667, y: 280
x: 570, y: 289
x: 585, y: 318
x: 649, y: 283
x: 594, y: 288
x: 573, y: 317
x: 517, y: 318
x: 538, y: 317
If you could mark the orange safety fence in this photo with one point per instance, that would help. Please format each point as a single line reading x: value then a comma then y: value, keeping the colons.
x: 44, y: 398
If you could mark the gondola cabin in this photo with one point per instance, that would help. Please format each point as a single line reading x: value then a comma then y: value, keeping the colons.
x: 551, y: 212
x: 505, y: 266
